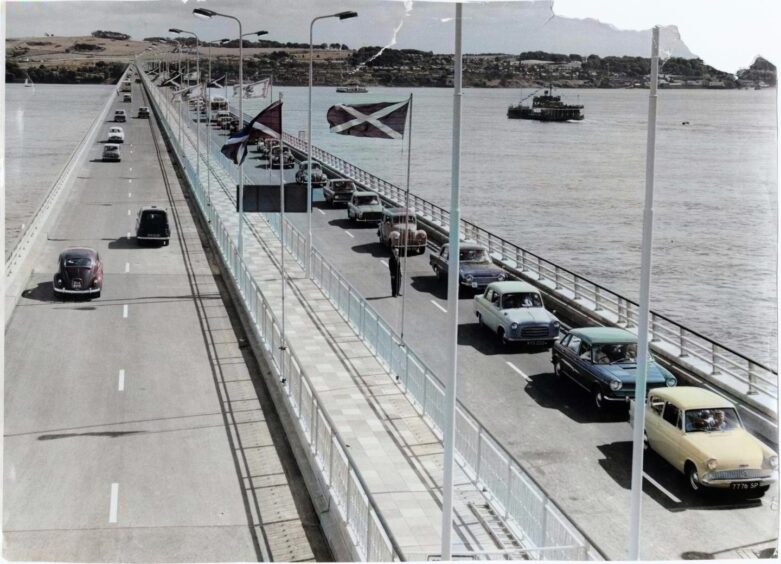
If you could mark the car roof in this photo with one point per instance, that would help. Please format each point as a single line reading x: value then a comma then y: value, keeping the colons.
x: 691, y: 397
x: 119, y: 111
x: 115, y: 128
x: 84, y: 252
x: 152, y: 208
x: 469, y: 246
x: 399, y: 211
x: 111, y: 145
x: 512, y: 286
x: 364, y: 193
x: 598, y: 335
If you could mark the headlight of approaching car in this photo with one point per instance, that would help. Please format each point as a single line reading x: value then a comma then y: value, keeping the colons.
x: 513, y: 326
x: 469, y: 277
x: 670, y: 382
x: 771, y: 461
x: 615, y: 385
x: 555, y: 324
x: 501, y: 276
x: 712, y: 464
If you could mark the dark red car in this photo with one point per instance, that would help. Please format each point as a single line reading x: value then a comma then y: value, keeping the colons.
x: 79, y: 272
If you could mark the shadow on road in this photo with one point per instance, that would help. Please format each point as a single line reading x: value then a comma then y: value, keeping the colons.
x: 43, y: 292
x: 123, y: 243
x: 109, y: 434
x: 571, y: 400
x: 374, y: 249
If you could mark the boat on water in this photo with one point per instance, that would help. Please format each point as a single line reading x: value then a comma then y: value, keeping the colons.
x: 546, y: 108
x: 352, y: 89
x: 28, y: 83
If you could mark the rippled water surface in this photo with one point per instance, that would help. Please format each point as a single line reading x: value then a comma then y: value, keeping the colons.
x: 573, y: 192
x: 43, y: 125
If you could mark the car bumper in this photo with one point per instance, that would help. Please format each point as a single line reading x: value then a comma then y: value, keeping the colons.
x: 741, y: 484
x: 82, y: 291
x: 419, y: 247
x: 477, y: 284
x: 115, y: 140
x: 147, y: 238
x: 112, y: 159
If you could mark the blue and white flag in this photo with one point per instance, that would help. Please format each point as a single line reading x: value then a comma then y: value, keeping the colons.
x: 267, y: 123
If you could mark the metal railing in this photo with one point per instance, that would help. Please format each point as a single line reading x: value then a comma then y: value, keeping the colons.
x: 372, y: 538
x: 667, y: 335
x: 24, y: 242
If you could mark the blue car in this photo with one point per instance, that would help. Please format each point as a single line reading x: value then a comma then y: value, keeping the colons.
x: 603, y: 361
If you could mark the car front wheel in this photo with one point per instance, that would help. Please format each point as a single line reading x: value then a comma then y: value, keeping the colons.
x: 694, y: 477
x: 502, y: 337
x: 599, y: 399
x: 557, y: 370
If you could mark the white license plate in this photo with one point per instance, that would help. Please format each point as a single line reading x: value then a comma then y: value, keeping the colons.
x: 77, y: 285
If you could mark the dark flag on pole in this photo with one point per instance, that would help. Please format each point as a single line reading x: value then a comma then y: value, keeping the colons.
x: 170, y: 80
x: 385, y: 120
x: 215, y: 83
x: 267, y: 123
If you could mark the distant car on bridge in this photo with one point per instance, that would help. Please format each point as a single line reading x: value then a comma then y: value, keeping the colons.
x: 515, y: 311
x: 338, y: 190
x: 700, y: 433
x: 476, y: 269
x: 120, y: 115
x: 399, y: 230
x: 364, y: 206
x: 116, y: 135
x: 152, y: 226
x: 287, y: 159
x: 603, y: 361
x: 319, y: 179
x: 127, y: 98
x: 79, y: 272
x: 143, y: 112
x: 111, y: 152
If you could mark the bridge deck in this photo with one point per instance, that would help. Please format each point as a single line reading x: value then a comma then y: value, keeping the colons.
x: 136, y: 425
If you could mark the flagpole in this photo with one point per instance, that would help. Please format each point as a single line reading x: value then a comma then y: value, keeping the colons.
x: 406, y: 222
x: 282, y: 238
x: 638, y: 431
x: 449, y: 426
x: 209, y: 133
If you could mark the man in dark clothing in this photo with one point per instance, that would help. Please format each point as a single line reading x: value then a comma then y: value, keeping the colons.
x: 394, y: 265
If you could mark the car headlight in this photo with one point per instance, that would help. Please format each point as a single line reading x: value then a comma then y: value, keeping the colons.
x: 670, y: 382
x: 59, y: 281
x: 616, y: 385
x: 501, y: 276
x: 772, y: 461
x: 555, y: 324
x: 513, y: 326
x: 469, y: 277
x: 712, y: 463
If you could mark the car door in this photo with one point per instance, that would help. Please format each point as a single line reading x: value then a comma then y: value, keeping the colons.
x: 481, y: 304
x: 653, y: 419
x: 495, y: 311
x: 568, y: 355
x: 670, y: 434
x: 442, y: 260
x: 582, y: 367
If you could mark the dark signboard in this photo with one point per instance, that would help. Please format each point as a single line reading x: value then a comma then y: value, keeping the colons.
x: 265, y: 198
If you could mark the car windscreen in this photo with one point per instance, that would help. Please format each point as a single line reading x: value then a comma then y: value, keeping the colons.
x: 474, y: 255
x: 402, y: 219
x: 154, y: 219
x: 614, y: 353
x: 367, y: 200
x: 518, y: 300
x: 78, y: 261
x: 109, y: 148
x: 343, y: 186
x: 712, y: 419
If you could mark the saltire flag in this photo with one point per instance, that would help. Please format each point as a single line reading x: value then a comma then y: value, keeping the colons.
x: 236, y: 90
x: 165, y: 82
x: 215, y: 83
x: 184, y: 92
x: 385, y: 120
x: 257, y: 89
x: 267, y: 123
x: 192, y: 77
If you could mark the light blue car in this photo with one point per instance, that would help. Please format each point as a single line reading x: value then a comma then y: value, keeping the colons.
x: 515, y: 312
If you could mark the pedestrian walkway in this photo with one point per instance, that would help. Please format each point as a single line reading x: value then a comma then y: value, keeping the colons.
x: 394, y: 448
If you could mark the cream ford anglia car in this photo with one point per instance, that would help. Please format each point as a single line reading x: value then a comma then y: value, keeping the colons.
x: 700, y: 433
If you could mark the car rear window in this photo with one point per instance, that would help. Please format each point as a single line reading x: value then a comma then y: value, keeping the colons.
x: 155, y: 218
x: 109, y: 148
x: 367, y: 200
x: 78, y: 261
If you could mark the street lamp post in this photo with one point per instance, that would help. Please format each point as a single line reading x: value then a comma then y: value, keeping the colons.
x: 179, y: 49
x: 341, y: 16
x: 198, y: 124
x: 205, y: 13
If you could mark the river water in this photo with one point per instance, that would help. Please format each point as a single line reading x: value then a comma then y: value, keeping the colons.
x: 571, y: 192
x: 43, y: 125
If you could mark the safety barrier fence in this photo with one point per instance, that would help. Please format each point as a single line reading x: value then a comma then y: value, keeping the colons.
x: 534, y: 517
x: 372, y: 538
x: 667, y: 335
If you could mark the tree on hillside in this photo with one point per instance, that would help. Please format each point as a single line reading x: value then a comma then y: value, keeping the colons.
x: 110, y: 35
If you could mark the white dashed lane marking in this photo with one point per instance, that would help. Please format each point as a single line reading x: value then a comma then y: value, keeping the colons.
x: 114, y: 503
x: 660, y: 488
x: 385, y: 263
x: 439, y: 307
x: 127, y: 267
x: 321, y: 211
x: 350, y: 234
x: 518, y: 370
x: 121, y: 385
x: 128, y: 212
x: 124, y: 311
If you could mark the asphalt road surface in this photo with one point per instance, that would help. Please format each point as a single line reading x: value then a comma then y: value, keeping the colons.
x: 136, y: 425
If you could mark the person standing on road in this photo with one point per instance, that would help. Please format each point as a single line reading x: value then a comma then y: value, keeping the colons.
x: 394, y: 265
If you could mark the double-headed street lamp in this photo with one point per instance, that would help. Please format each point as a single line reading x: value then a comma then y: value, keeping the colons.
x: 198, y: 73
x: 206, y: 13
x: 341, y: 16
x: 179, y: 48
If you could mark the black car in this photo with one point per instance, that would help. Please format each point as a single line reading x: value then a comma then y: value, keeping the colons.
x: 603, y: 361
x: 79, y: 272
x: 152, y: 226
